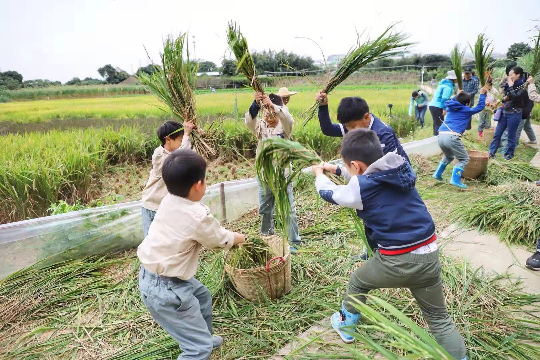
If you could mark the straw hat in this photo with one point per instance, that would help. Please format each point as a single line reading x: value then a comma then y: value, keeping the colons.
x: 284, y: 92
x: 451, y: 75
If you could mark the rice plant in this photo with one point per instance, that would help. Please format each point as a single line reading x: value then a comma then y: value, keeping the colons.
x: 502, y: 172
x: 255, y: 252
x: 512, y: 212
x: 482, y: 52
x: 279, y: 162
x: 245, y: 64
x: 389, y: 43
x: 456, y: 56
x: 173, y: 84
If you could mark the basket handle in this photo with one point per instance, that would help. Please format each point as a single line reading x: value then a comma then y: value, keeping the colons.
x: 268, y: 264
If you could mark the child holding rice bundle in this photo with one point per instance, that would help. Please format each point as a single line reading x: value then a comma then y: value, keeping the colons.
x: 169, y: 256
x: 382, y: 190
x: 457, y: 118
x: 173, y: 136
x: 265, y: 127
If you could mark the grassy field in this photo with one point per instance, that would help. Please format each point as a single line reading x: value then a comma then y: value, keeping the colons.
x: 209, y: 106
x: 91, y: 308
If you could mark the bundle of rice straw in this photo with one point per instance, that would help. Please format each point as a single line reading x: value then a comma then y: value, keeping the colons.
x: 173, y: 84
x: 456, y: 56
x: 276, y: 156
x: 389, y: 43
x: 482, y: 52
x: 244, y: 63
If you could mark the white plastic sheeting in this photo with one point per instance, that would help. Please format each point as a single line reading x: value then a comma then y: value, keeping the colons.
x: 118, y: 227
x: 77, y: 234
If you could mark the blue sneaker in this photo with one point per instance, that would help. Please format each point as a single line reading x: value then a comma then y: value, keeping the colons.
x: 293, y: 249
x: 345, y: 321
x: 456, y: 178
x: 440, y: 169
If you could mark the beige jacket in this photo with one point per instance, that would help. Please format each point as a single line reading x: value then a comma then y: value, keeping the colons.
x: 262, y: 131
x: 155, y: 189
x: 179, y: 230
x: 533, y: 93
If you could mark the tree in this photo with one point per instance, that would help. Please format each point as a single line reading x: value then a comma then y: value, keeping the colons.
x: 10, y: 80
x: 518, y: 50
x: 207, y: 66
x: 74, y: 81
x: 148, y: 69
x: 228, y: 67
x: 112, y: 75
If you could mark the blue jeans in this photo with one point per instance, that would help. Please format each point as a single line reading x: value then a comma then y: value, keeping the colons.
x: 525, y: 124
x: 452, y: 147
x: 147, y: 218
x: 183, y: 308
x: 510, y: 120
x: 267, y: 203
x: 420, y: 113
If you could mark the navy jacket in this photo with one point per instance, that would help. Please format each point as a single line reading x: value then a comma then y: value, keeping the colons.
x: 385, y: 133
x: 386, y: 199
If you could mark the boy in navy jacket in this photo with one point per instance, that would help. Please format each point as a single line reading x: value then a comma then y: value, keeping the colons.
x: 382, y: 190
x: 458, y: 115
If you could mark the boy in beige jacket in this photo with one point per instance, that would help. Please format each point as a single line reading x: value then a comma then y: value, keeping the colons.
x: 172, y: 136
x: 169, y: 256
x: 265, y: 127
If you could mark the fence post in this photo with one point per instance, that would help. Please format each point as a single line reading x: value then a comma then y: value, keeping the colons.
x: 223, y: 206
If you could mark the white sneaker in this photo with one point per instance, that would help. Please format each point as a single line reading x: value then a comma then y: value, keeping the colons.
x: 531, y: 142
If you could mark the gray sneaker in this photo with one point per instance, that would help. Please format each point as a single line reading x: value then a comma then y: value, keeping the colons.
x: 217, y: 340
x: 530, y: 142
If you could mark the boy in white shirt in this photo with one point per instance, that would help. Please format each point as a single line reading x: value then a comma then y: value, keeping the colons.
x: 169, y: 256
x: 172, y: 136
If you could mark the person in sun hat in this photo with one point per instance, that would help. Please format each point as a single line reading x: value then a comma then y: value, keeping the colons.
x: 443, y: 93
x: 285, y: 95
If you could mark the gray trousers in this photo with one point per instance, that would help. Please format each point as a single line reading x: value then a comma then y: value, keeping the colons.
x: 484, y: 121
x: 183, y: 308
x: 525, y: 124
x: 421, y: 274
x: 453, y: 148
x: 267, y: 203
x: 147, y: 218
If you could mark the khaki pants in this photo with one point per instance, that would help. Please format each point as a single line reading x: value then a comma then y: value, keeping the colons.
x: 421, y: 273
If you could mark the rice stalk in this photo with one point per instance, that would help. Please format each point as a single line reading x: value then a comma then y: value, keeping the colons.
x: 174, y: 83
x: 513, y: 213
x: 456, y: 56
x: 502, y: 172
x: 278, y: 157
x: 253, y: 253
x: 388, y: 44
x: 482, y: 51
x: 245, y: 64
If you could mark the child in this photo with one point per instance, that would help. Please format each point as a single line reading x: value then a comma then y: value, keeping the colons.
x: 458, y: 114
x: 265, y: 128
x: 484, y: 121
x: 382, y: 190
x: 419, y: 100
x: 172, y: 136
x: 353, y: 113
x: 169, y: 256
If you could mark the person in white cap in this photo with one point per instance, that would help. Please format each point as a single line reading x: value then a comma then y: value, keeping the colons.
x: 443, y: 93
x: 285, y: 94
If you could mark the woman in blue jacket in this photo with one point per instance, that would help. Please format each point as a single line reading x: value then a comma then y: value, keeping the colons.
x: 442, y: 94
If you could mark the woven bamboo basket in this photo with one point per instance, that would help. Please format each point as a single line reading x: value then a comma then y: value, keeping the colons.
x: 270, y: 281
x: 488, y: 135
x: 477, y: 165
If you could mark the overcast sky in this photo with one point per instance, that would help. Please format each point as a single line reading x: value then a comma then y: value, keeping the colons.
x: 61, y: 39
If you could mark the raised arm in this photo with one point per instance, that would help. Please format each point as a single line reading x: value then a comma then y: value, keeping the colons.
x: 327, y: 127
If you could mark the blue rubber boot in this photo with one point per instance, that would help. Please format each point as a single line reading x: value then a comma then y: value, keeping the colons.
x: 456, y: 178
x: 344, y: 320
x: 438, y: 173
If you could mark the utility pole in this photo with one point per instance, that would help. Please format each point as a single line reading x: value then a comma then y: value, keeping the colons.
x: 194, y: 53
x: 423, y: 75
